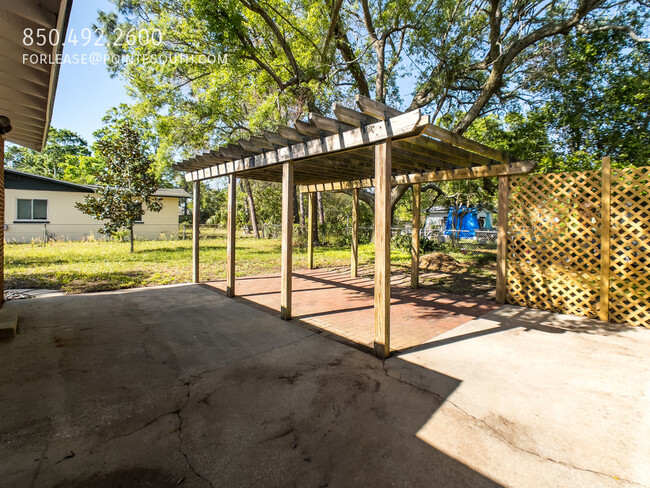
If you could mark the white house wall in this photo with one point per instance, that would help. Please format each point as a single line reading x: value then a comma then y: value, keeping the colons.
x: 65, y: 222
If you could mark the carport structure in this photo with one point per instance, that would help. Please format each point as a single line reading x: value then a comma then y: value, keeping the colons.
x: 377, y: 147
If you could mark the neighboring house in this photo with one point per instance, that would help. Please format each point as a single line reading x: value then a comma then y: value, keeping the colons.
x: 438, y: 216
x: 37, y: 207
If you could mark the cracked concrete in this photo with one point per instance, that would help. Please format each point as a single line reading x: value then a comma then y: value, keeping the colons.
x: 179, y: 386
x: 555, y: 389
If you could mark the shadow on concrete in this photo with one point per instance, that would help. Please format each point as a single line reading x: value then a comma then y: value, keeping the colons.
x: 247, y: 399
x: 511, y: 317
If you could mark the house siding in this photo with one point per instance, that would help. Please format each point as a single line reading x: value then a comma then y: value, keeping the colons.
x: 66, y: 222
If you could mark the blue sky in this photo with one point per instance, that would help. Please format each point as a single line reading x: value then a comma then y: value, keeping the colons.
x: 85, y: 91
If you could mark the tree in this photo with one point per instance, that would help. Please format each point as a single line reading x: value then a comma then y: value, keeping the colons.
x: 64, y: 150
x: 252, y: 212
x: 598, y: 92
x: 127, y: 184
x: 465, y: 58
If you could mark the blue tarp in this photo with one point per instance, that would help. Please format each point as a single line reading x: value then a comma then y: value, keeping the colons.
x: 468, y: 222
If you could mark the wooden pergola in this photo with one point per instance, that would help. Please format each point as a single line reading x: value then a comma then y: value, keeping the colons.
x: 378, y: 147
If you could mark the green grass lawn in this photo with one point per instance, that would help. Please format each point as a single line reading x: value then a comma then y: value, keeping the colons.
x: 77, y: 267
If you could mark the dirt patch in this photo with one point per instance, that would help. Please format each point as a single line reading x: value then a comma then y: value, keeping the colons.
x: 438, y: 261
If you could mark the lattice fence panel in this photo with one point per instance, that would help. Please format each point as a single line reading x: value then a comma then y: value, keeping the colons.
x: 554, y: 228
x: 629, y: 300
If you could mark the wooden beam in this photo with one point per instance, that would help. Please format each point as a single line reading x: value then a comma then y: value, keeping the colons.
x: 287, y: 240
x: 603, y: 312
x: 311, y: 221
x: 521, y: 167
x: 382, y: 249
x: 196, y: 200
x: 381, y: 111
x: 275, y: 138
x: 291, y: 134
x: 248, y: 145
x: 261, y: 143
x: 328, y: 124
x: 431, y: 148
x: 2, y: 219
x: 420, y: 145
x: 308, y: 128
x: 502, y: 240
x: 404, y: 126
x: 354, y: 255
x: 415, y: 237
x: 352, y: 117
x: 231, y: 229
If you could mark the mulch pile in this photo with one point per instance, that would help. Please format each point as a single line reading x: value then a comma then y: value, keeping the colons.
x: 437, y: 261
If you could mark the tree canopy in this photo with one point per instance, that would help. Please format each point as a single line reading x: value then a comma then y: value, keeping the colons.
x: 66, y: 156
x: 464, y: 58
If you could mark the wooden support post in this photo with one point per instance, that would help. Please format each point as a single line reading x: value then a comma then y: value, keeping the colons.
x: 311, y: 222
x: 287, y: 240
x: 415, y: 237
x: 502, y: 240
x: 2, y: 219
x: 231, y: 229
x: 603, y: 313
x: 354, y: 255
x: 195, y: 230
x: 382, y: 248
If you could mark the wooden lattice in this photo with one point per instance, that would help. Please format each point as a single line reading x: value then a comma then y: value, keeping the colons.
x: 629, y: 274
x: 553, y: 241
x: 555, y: 233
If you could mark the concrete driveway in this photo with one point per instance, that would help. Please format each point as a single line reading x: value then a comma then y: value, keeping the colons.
x: 179, y: 386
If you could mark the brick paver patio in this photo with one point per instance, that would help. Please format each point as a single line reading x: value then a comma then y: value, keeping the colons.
x: 343, y: 306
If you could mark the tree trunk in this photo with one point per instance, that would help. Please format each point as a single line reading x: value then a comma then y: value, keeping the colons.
x: 301, y: 208
x: 296, y: 210
x: 321, y: 209
x: 252, y: 213
x: 131, y: 231
x: 320, y: 216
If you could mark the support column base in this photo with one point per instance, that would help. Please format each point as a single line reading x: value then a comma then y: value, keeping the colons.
x: 381, y: 351
x: 285, y: 314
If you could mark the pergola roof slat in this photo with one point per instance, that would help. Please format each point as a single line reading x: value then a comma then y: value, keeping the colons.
x: 380, y: 110
x: 308, y: 129
x: 275, y: 138
x: 408, y: 125
x: 342, y: 149
x: 291, y: 134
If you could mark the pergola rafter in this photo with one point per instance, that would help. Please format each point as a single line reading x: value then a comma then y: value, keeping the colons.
x: 378, y: 147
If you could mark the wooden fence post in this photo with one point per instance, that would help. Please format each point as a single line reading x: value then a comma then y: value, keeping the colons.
x: 231, y: 230
x: 287, y: 240
x: 502, y: 240
x: 195, y: 230
x: 311, y: 213
x: 603, y: 312
x: 354, y: 252
x: 382, y: 248
x: 2, y: 219
x: 415, y: 237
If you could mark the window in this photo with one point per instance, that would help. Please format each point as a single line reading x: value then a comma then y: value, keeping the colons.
x: 28, y: 209
x: 139, y: 219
